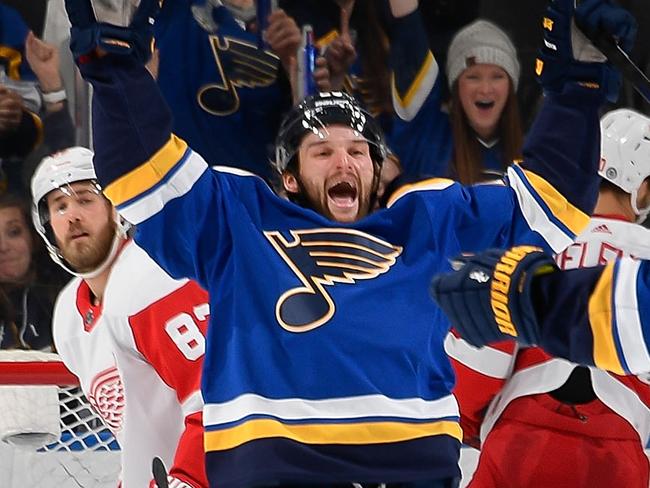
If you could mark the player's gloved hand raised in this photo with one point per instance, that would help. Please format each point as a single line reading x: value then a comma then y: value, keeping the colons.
x: 489, y: 298
x: 89, y: 33
x: 568, y: 57
x: 595, y: 17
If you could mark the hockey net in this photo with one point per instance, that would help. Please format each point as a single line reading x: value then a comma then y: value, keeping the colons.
x: 49, y: 434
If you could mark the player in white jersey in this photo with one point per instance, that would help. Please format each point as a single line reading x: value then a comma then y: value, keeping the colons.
x: 520, y: 401
x: 132, y: 335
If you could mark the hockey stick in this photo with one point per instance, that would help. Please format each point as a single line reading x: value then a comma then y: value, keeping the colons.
x: 159, y: 473
x: 619, y: 58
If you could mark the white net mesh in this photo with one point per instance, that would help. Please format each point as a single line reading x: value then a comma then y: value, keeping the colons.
x: 36, y: 452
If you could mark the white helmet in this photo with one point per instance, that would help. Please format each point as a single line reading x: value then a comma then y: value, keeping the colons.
x: 625, y: 153
x: 56, y: 172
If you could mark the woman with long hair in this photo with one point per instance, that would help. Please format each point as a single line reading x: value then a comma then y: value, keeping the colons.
x: 29, y: 282
x: 483, y: 73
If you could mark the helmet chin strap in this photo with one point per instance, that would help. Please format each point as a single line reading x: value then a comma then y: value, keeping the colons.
x: 641, y: 213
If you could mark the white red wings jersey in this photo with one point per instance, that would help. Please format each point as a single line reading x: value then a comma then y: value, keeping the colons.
x: 138, y: 358
x: 488, y: 379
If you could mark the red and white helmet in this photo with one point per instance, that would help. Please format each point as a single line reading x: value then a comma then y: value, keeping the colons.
x: 625, y: 153
x: 57, y: 172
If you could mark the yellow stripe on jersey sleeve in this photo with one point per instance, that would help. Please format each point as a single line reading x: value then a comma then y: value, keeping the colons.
x: 574, y: 218
x: 416, y: 84
x: 353, y: 434
x: 600, y: 320
x: 430, y: 184
x: 147, y: 175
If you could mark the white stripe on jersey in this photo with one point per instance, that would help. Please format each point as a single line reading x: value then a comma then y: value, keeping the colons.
x: 535, y: 216
x: 193, y: 403
x: 487, y: 361
x: 623, y: 401
x: 330, y: 409
x: 628, y: 323
x: 179, y: 184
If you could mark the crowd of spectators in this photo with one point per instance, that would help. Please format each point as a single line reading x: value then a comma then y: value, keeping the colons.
x: 442, y: 82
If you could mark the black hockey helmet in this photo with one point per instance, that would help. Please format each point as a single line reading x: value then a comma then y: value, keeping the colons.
x: 315, y: 113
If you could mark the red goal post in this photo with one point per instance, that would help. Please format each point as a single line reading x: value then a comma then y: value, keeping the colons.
x: 49, y: 434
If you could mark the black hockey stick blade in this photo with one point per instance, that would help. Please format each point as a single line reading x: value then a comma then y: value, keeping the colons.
x: 619, y: 58
x: 159, y: 473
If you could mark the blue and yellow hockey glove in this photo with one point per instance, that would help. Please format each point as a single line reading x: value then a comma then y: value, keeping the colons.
x: 568, y: 57
x: 87, y: 34
x: 489, y: 298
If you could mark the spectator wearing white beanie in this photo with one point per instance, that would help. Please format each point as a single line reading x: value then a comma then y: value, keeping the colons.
x: 482, y: 42
x: 483, y: 74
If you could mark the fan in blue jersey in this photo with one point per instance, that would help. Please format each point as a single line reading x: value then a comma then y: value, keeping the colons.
x: 324, y: 362
x: 226, y: 93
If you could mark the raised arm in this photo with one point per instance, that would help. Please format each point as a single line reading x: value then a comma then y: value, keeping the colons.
x: 414, y: 69
x: 154, y: 180
x: 549, y: 195
x: 595, y: 316
x: 562, y: 151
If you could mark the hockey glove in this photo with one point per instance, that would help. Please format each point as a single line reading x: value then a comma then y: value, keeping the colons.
x: 568, y: 57
x: 489, y: 298
x: 87, y: 34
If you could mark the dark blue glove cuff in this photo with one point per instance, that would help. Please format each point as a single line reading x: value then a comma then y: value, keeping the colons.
x: 87, y: 34
x: 125, y: 41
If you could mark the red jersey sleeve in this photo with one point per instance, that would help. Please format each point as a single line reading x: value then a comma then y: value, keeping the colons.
x: 480, y: 375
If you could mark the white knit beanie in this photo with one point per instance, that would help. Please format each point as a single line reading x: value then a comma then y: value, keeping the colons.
x: 482, y: 42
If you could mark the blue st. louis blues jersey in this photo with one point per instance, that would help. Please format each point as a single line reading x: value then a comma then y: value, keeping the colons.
x: 227, y: 96
x: 325, y: 359
x: 599, y: 316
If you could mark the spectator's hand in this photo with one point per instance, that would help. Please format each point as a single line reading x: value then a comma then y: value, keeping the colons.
x: 340, y: 53
x: 346, y: 6
x: 44, y: 60
x: 283, y: 37
x: 322, y: 75
x: 11, y: 109
x: 153, y: 64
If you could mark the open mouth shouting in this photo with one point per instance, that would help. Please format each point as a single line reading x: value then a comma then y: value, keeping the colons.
x: 343, y: 199
x: 484, y: 105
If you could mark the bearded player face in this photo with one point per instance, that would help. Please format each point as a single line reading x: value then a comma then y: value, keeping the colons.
x: 83, y: 223
x: 335, y: 174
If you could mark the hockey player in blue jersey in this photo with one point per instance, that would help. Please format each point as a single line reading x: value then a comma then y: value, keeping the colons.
x: 325, y: 362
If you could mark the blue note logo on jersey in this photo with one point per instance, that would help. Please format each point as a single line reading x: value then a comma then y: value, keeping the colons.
x: 324, y: 257
x: 240, y: 65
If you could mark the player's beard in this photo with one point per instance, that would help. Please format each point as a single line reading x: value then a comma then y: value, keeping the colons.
x: 87, y: 256
x: 318, y: 203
